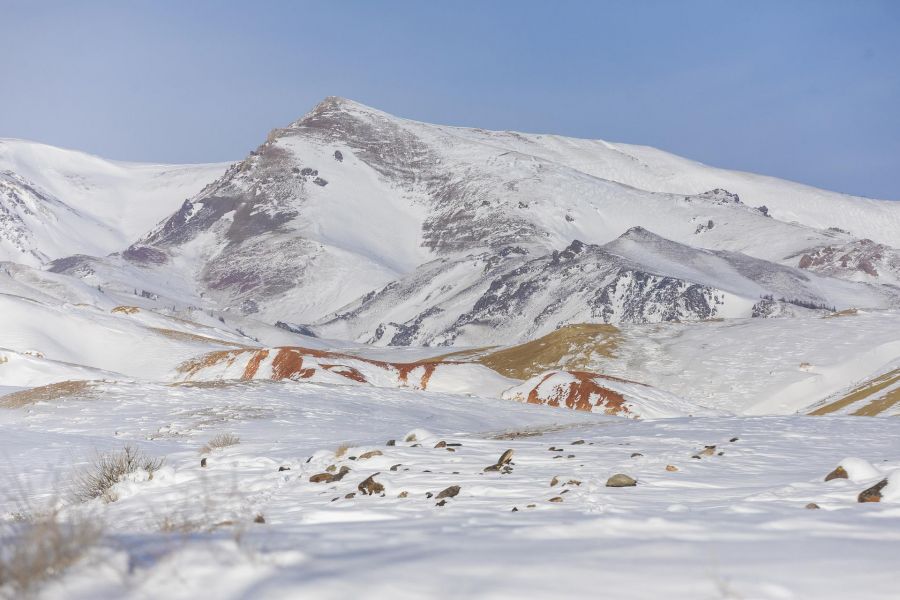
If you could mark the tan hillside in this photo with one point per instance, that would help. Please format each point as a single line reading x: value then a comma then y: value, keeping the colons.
x: 868, y: 399
x: 571, y: 347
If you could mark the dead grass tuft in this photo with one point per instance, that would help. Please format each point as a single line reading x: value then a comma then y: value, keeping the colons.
x: 126, y: 310
x: 221, y: 440
x: 341, y: 450
x: 183, y: 336
x: 109, y: 469
x: 39, y: 548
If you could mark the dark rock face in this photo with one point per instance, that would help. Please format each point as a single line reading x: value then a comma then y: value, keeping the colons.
x: 720, y: 196
x: 145, y: 255
x: 853, y: 258
x: 301, y: 329
x: 510, y: 288
x: 645, y: 297
x: 78, y: 265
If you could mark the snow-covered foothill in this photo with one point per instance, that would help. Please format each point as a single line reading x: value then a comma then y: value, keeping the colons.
x: 321, y: 366
x: 592, y: 392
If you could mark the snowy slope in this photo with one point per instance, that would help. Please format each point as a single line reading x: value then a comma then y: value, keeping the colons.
x: 250, y: 523
x: 509, y: 296
x: 655, y: 170
x: 69, y: 202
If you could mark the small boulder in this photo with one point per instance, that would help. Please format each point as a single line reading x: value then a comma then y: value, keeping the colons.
x: 259, y: 519
x: 506, y: 457
x: 283, y: 468
x: 708, y: 451
x: 812, y: 506
x: 441, y: 444
x: 370, y: 487
x: 403, y: 494
x: 441, y: 503
x: 734, y: 439
x: 450, y: 492
x: 838, y: 473
x: 350, y: 495
x: 620, y: 480
x: 577, y: 442
x: 671, y: 468
x: 203, y: 462
x: 395, y: 467
x: 556, y: 499
x: 391, y: 443
x: 321, y: 478
x: 873, y: 494
x: 370, y: 454
x: 340, y: 474
x: 554, y: 481
x: 636, y: 454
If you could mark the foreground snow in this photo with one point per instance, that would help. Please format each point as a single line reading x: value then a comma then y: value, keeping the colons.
x: 721, y: 526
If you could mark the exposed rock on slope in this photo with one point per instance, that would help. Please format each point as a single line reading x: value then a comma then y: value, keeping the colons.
x: 484, y: 299
x: 640, y: 277
x: 581, y: 390
x: 859, y: 260
x: 574, y: 390
x: 306, y: 364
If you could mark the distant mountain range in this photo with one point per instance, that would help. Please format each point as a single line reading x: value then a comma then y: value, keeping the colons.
x: 354, y: 224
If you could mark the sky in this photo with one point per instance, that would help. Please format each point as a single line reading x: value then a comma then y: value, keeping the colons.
x: 804, y: 90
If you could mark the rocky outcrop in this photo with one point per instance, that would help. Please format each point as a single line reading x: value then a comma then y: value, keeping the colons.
x: 579, y: 390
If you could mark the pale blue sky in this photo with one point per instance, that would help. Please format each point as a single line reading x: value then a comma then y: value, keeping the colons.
x: 806, y: 90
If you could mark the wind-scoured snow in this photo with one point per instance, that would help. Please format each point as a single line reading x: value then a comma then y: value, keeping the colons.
x: 61, y: 202
x: 731, y: 522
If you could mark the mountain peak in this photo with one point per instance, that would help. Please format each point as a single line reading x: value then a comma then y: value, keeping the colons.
x: 336, y: 107
x: 638, y: 233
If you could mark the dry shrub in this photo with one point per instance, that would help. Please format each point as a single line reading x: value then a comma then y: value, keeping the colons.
x: 109, y: 469
x: 36, y: 549
x: 221, y: 440
x: 341, y: 450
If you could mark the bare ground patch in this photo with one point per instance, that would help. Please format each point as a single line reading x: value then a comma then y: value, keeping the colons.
x: 573, y: 347
x: 868, y: 389
x: 47, y: 393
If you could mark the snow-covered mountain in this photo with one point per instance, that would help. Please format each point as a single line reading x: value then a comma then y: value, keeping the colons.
x: 56, y: 202
x: 349, y: 204
x: 364, y: 228
x: 637, y: 278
